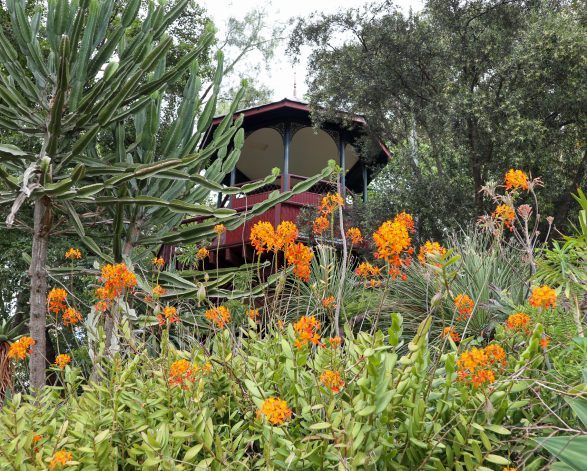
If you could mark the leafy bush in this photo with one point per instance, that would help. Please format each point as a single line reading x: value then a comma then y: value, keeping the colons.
x: 404, y: 411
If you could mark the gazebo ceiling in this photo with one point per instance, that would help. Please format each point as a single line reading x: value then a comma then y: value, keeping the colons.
x: 267, y: 127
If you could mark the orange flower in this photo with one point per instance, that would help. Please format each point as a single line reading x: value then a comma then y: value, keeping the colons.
x: 300, y: 256
x: 335, y: 342
x: 169, y: 314
x: 21, y: 348
x: 287, y: 233
x: 509, y: 469
x: 158, y: 291
x: 544, y: 341
x: 275, y: 410
x: 320, y: 225
x: 430, y: 248
x: 518, y: 322
x: 181, y: 373
x: 253, y: 314
x: 505, y: 214
x: 330, y: 203
x: 60, y: 458
x: 452, y: 333
x: 37, y: 438
x: 263, y: 237
x: 116, y: 279
x: 355, y: 236
x: 220, y: 316
x: 202, y: 253
x: 332, y: 380
x: 101, y: 306
x: 62, y: 360
x: 543, y: 296
x: 464, y: 305
x: 307, y: 331
x: 158, y: 262
x: 220, y: 229
x: 73, y: 254
x: 56, y: 300
x: 393, y: 241
x: 516, y: 179
x: 365, y: 270
x: 328, y: 302
x: 477, y: 365
x: 71, y: 316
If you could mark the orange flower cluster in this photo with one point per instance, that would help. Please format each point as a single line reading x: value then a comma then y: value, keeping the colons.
x: 158, y: 262
x: 21, y: 348
x: 62, y: 360
x: 393, y: 241
x: 464, y: 305
x: 73, y: 254
x: 516, y: 179
x: 300, y: 256
x: 307, y: 331
x: 253, y: 314
x: 330, y: 203
x: 264, y: 238
x: 220, y: 316
x: 452, y: 333
x: 116, y: 279
x: 202, y: 253
x: 334, y: 342
x: 544, y: 341
x: 60, y: 458
x: 220, y: 229
x: 371, y: 274
x: 332, y: 380
x: 286, y: 234
x: 355, y: 235
x: 56, y: 300
x: 320, y: 225
x: 505, y: 214
x: 275, y: 410
x: 519, y: 322
x: 181, y: 373
x: 328, y: 302
x: 478, y: 365
x: 543, y: 296
x: 158, y: 291
x: 430, y: 248
x: 71, y: 316
x: 169, y: 314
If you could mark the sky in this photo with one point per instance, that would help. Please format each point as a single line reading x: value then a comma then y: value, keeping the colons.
x: 279, y: 74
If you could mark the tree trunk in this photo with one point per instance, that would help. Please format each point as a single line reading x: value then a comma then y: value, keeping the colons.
x: 38, y: 296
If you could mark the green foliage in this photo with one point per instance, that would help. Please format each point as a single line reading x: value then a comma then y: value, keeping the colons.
x: 463, y: 91
x: 400, y: 410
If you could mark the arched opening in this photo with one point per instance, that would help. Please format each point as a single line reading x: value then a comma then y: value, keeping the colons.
x: 261, y: 152
x: 310, y: 152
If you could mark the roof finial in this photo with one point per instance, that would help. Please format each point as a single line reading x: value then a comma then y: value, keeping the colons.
x: 295, y: 91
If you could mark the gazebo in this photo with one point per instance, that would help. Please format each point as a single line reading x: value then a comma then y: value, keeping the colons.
x: 281, y: 134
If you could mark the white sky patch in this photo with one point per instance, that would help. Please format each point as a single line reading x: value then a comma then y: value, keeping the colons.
x: 279, y: 74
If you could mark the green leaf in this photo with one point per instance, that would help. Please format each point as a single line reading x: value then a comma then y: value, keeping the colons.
x: 569, y: 449
x: 320, y: 426
x: 497, y: 459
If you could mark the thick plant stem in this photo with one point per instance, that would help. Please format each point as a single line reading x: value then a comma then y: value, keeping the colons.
x: 345, y: 257
x: 577, y: 315
x: 38, y: 297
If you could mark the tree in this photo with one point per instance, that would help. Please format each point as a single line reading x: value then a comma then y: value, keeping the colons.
x: 68, y: 92
x: 463, y: 90
x: 100, y: 142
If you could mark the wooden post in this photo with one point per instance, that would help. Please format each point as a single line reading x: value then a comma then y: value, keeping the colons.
x: 286, y: 146
x: 342, y: 156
